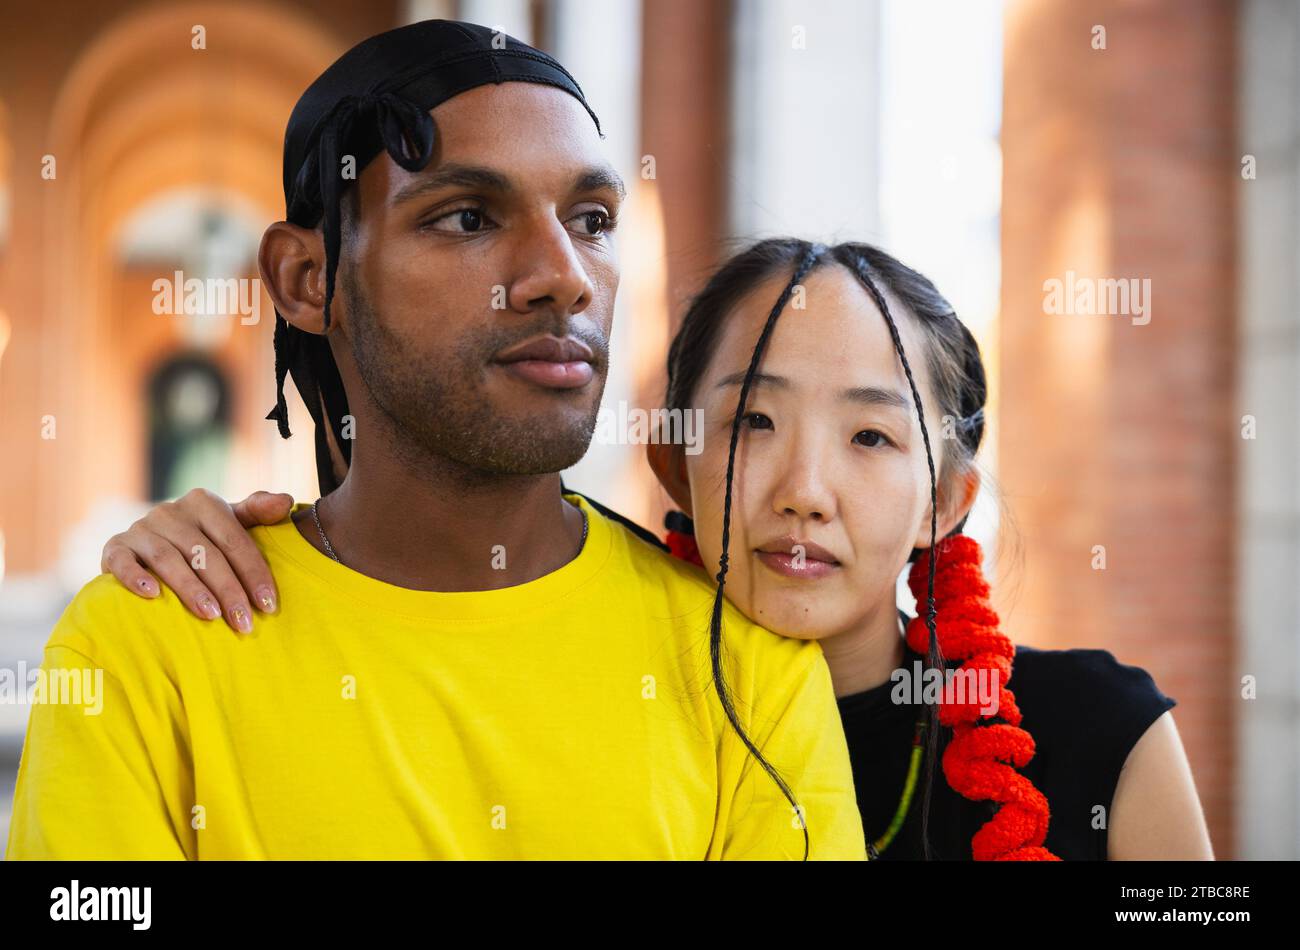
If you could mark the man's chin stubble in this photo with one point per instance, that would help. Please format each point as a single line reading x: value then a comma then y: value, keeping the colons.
x: 472, y: 456
x: 455, y: 431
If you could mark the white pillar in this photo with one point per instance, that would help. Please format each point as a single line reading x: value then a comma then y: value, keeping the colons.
x: 413, y: 11
x: 512, y: 16
x: 805, y: 104
x: 611, y: 82
x: 1268, y: 504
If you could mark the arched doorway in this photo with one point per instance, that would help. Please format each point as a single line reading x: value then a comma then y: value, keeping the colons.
x: 189, y: 426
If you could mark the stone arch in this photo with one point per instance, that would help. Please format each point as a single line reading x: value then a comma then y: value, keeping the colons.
x: 142, y: 112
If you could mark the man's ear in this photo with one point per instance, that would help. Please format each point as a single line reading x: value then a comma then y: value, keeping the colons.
x: 291, y: 260
x: 954, y: 505
x: 669, y: 464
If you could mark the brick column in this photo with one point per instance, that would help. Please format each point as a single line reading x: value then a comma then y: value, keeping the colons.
x: 1121, y: 163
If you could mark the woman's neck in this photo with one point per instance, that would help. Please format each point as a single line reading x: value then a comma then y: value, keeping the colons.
x: 864, y: 657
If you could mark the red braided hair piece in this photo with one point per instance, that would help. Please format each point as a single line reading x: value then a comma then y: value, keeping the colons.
x: 978, y: 760
x: 683, y: 546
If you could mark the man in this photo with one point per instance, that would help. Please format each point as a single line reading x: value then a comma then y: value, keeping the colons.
x: 466, y: 662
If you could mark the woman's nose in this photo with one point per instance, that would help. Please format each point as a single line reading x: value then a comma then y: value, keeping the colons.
x: 803, y: 490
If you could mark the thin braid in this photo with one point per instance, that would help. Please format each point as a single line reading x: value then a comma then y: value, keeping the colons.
x: 979, y: 763
x: 810, y: 258
x: 934, y: 658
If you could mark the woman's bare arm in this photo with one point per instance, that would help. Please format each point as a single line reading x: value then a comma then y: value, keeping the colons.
x: 1156, y: 813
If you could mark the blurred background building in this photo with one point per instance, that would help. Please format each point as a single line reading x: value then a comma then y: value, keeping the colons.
x: 994, y: 146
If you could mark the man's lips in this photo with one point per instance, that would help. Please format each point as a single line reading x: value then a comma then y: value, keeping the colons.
x: 550, y: 361
x: 794, y: 558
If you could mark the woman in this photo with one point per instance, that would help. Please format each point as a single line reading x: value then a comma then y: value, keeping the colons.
x: 836, y: 449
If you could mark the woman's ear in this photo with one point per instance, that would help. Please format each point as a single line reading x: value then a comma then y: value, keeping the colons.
x: 955, y: 502
x: 291, y: 260
x: 669, y: 464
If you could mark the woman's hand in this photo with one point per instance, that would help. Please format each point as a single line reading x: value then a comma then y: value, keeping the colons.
x: 200, y: 548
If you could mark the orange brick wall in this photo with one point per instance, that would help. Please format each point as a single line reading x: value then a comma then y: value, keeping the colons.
x: 1122, y: 163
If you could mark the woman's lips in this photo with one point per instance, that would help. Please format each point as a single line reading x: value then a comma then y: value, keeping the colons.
x: 796, y: 559
x: 786, y: 564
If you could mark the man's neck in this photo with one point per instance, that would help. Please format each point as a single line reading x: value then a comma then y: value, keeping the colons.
x: 413, y: 528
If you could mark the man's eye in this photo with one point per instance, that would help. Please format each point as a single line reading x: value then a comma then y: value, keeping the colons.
x: 596, y: 222
x: 460, y: 221
x: 873, y: 438
x: 756, y: 420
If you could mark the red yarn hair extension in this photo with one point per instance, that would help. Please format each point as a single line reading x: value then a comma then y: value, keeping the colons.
x: 682, y: 545
x: 979, y: 759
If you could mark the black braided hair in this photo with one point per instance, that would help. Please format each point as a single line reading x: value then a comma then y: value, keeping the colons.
x: 958, y: 377
x: 308, y: 358
x: 715, y: 625
x: 934, y: 657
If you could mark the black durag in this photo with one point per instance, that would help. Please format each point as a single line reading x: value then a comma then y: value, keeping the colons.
x: 377, y: 97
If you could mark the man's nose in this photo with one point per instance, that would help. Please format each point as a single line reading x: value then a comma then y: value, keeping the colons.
x: 551, y: 274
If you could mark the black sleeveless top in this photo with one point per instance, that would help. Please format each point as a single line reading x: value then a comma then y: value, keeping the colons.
x: 1085, y: 711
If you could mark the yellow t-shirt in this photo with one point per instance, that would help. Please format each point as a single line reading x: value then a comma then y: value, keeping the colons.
x: 569, y: 717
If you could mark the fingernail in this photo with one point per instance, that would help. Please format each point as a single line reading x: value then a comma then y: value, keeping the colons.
x: 147, y: 586
x: 266, y: 599
x: 208, y: 607
x: 243, y: 622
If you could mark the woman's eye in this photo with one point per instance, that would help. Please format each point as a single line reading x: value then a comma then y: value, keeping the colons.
x: 460, y: 221
x: 871, y: 438
x: 596, y: 222
x: 756, y: 420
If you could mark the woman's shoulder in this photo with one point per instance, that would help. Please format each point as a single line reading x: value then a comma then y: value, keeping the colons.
x: 1082, y: 673
x: 1085, y: 697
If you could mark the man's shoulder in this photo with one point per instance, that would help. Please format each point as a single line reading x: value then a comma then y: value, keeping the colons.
x: 639, y: 560
x: 112, y: 626
x: 105, y: 600
x: 691, y: 593
x: 652, y: 560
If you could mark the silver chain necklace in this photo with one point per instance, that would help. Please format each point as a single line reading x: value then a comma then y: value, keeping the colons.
x: 315, y: 516
x: 329, y: 548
